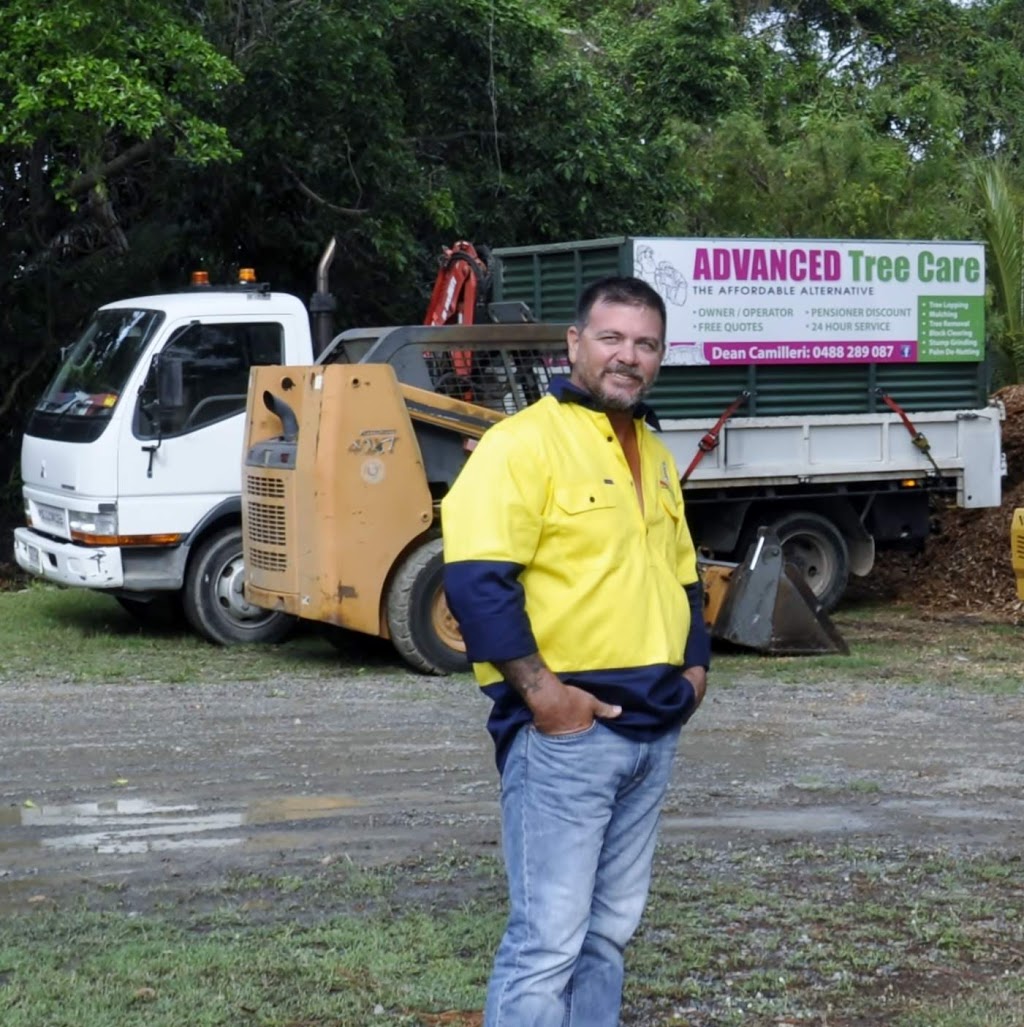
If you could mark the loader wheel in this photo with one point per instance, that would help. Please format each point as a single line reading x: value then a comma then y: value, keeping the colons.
x: 214, y: 603
x: 815, y: 545
x: 422, y: 627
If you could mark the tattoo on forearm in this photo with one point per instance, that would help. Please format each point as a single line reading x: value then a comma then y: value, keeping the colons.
x: 525, y: 675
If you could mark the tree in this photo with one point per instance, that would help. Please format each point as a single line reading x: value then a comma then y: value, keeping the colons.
x: 422, y: 123
x: 88, y: 91
x: 1003, y: 223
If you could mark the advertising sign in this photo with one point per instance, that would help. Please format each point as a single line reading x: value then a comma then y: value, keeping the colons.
x: 798, y: 301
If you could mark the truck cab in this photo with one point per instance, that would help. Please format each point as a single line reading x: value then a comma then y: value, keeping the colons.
x: 131, y: 459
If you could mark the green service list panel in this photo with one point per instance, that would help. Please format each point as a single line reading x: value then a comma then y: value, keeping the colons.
x: 950, y: 328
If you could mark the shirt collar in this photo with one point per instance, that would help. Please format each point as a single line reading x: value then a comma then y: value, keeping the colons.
x: 566, y: 392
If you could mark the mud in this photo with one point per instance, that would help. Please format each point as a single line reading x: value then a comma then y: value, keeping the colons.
x: 147, y: 785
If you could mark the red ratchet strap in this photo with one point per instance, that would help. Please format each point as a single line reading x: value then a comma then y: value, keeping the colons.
x: 916, y: 437
x: 710, y: 438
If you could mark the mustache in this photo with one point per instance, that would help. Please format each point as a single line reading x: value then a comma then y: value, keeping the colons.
x: 626, y: 371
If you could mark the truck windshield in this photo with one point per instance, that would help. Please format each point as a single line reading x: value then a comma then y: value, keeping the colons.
x: 96, y: 368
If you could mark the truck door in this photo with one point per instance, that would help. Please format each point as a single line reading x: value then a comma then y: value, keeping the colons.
x: 180, y: 461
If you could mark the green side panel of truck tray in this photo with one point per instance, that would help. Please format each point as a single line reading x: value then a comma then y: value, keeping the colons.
x: 549, y: 278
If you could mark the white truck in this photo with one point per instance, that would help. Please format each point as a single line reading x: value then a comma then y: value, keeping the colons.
x: 130, y: 461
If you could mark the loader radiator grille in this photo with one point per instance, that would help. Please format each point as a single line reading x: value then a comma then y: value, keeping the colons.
x: 266, y: 524
x: 258, y: 485
x: 267, y: 560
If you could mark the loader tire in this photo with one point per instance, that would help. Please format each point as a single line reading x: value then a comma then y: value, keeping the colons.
x: 422, y: 627
x: 214, y: 603
x: 814, y: 544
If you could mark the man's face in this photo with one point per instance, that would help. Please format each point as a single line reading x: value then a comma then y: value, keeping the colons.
x: 617, y: 355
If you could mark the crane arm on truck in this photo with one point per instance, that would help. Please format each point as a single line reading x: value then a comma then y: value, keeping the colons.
x: 462, y: 279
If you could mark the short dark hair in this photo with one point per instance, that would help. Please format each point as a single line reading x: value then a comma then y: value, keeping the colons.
x: 633, y: 292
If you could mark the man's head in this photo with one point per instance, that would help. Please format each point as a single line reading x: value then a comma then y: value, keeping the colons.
x: 617, y: 342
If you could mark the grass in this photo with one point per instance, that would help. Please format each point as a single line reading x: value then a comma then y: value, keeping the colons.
x: 896, y: 644
x: 48, y: 632
x: 798, y: 935
x: 80, y: 636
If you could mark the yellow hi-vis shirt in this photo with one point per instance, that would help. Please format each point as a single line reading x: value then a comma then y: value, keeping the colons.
x: 547, y: 550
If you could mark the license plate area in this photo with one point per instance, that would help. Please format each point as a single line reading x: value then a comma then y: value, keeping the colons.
x: 32, y: 556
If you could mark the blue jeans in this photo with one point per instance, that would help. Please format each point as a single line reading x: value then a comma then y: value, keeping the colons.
x: 579, y: 820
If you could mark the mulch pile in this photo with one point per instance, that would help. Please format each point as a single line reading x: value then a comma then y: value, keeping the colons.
x: 965, y: 568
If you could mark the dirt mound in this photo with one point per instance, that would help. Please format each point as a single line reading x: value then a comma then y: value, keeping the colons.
x: 965, y: 569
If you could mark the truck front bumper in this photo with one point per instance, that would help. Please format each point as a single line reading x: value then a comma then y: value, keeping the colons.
x: 67, y: 563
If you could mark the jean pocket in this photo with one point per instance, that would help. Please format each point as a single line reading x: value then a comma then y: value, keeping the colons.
x: 570, y: 736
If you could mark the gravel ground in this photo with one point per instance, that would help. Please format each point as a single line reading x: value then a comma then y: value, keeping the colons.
x: 145, y: 785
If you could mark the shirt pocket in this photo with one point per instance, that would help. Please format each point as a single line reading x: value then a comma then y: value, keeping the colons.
x: 586, y: 526
x: 572, y: 500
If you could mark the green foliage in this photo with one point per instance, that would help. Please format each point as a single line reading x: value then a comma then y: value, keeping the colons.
x: 686, y: 62
x: 1003, y: 226
x: 818, y: 177
x: 83, y: 79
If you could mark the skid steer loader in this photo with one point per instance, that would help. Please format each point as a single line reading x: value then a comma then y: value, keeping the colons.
x: 346, y: 462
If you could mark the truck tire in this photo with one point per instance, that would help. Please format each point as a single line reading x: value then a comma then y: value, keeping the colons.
x: 421, y: 625
x: 213, y: 599
x: 817, y: 547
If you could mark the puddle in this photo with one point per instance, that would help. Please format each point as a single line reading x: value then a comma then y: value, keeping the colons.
x: 811, y: 821
x: 820, y: 820
x: 127, y: 826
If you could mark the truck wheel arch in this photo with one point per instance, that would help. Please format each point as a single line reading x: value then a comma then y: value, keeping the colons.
x: 213, y: 600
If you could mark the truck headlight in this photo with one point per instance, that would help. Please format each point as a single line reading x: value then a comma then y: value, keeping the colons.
x: 86, y: 525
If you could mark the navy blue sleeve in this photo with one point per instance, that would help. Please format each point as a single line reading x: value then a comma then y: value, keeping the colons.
x: 487, y: 599
x: 698, y: 642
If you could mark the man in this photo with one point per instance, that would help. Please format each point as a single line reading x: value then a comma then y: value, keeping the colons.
x: 571, y: 571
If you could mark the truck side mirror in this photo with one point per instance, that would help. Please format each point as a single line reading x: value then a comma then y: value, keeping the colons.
x: 170, y: 382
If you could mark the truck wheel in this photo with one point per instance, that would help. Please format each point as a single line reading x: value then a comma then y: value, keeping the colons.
x: 213, y: 599
x: 814, y: 544
x: 421, y: 625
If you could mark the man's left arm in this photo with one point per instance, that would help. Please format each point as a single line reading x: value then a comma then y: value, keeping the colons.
x: 697, y: 654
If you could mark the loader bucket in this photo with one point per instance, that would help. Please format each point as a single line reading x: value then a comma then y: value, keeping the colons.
x: 768, y: 606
